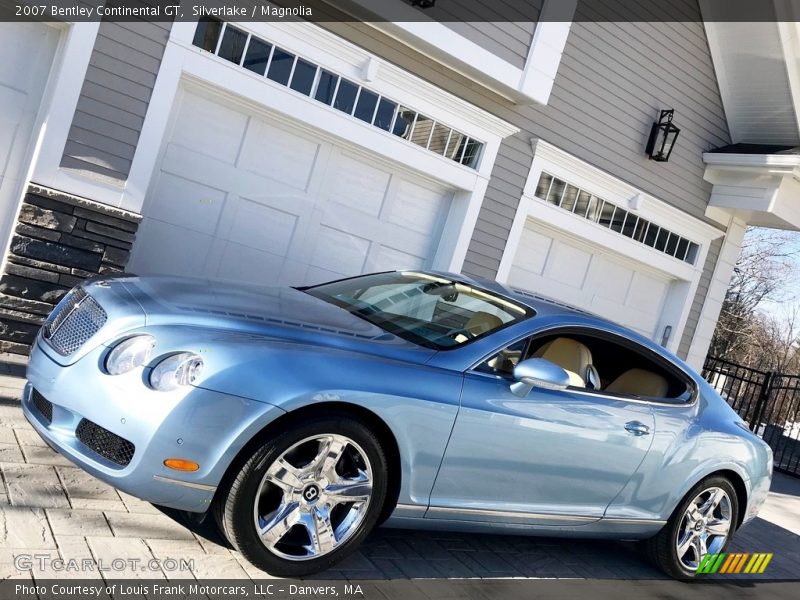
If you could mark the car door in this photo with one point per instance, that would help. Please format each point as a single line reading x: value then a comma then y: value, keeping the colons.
x: 554, y: 457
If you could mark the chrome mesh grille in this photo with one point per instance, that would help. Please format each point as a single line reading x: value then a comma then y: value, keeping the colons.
x: 73, y: 322
x: 107, y: 444
x: 63, y: 310
x: 43, y: 405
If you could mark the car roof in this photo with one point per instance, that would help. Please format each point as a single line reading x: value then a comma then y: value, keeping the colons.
x: 544, y: 306
x: 539, y: 303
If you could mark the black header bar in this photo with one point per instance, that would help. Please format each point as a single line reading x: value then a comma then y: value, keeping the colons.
x: 443, y: 11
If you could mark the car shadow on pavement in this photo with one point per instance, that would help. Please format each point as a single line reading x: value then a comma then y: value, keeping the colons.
x: 785, y: 484
x: 12, y: 380
x: 390, y: 553
x: 763, y: 536
x: 13, y: 367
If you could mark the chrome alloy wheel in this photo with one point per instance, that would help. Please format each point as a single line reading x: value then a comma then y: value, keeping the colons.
x: 705, y: 527
x: 313, y: 497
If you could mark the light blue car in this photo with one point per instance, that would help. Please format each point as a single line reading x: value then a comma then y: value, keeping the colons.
x: 303, y: 418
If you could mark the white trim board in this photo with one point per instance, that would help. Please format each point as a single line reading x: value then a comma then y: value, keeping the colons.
x: 751, y: 57
x: 217, y: 73
x: 38, y: 133
x: 759, y: 189
x: 184, y: 64
x: 547, y: 47
x: 577, y: 172
x: 712, y: 305
x: 345, y: 58
x: 596, y: 181
x: 67, y: 84
x: 440, y: 43
x: 717, y: 59
x: 182, y: 59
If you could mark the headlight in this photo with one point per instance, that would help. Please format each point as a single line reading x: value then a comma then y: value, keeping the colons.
x: 129, y: 354
x: 176, y: 370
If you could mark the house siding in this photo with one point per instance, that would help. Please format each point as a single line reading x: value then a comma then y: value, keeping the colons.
x: 114, y: 99
x: 607, y: 93
x: 700, y: 297
x: 477, y: 21
x: 613, y: 80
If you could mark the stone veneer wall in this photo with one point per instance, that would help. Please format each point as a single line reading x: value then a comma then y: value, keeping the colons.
x: 59, y: 240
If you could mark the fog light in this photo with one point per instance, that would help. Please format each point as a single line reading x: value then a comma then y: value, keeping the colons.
x: 181, y: 464
x: 129, y: 354
x: 176, y: 370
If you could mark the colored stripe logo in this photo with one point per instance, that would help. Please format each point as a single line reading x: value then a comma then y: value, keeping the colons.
x: 735, y: 562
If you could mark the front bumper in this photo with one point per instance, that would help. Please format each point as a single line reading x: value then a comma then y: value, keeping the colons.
x: 204, y: 426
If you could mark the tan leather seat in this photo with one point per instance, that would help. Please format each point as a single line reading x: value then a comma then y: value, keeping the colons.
x: 481, y: 322
x: 505, y: 360
x: 570, y: 355
x: 638, y: 382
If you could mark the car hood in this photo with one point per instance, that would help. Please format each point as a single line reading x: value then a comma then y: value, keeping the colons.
x: 281, y: 312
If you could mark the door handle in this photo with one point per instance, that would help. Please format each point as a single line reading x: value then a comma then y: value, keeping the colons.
x: 637, y: 428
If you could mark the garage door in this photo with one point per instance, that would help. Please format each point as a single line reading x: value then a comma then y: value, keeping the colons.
x: 28, y: 50
x: 244, y: 196
x: 590, y: 277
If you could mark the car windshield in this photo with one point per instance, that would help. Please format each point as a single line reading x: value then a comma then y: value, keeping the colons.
x: 429, y: 310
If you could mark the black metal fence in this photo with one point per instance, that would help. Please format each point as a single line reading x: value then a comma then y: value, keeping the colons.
x: 769, y: 402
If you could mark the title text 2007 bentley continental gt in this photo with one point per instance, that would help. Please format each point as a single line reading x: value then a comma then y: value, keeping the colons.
x: 302, y: 418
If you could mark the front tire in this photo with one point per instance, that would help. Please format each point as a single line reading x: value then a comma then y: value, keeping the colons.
x: 703, y: 523
x: 307, y: 498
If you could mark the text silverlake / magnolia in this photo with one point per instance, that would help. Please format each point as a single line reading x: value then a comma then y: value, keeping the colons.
x: 253, y: 12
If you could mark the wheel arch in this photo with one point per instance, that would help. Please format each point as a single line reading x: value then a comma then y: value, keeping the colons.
x: 372, y: 420
x: 741, y: 491
x: 732, y: 475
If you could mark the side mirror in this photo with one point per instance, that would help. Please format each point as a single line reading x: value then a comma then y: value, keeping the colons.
x: 538, y: 372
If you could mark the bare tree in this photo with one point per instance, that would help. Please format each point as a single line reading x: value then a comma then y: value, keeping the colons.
x: 773, y: 340
x: 765, y: 274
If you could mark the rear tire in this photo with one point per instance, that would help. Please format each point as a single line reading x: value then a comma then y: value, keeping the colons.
x: 307, y: 498
x: 704, y: 522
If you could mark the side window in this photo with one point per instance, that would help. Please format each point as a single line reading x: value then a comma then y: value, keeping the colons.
x: 599, y: 363
x: 502, y: 364
x: 608, y: 365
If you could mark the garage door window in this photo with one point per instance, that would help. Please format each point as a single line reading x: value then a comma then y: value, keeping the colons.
x: 285, y: 68
x: 257, y: 56
x: 232, y: 46
x: 568, y: 197
x: 280, y: 66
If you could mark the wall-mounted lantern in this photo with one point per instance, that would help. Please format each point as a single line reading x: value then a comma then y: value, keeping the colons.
x: 662, y: 137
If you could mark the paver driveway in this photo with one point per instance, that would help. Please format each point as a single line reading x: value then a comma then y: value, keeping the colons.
x: 51, y: 509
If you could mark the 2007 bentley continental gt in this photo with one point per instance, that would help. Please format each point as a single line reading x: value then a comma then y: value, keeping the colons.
x: 302, y: 418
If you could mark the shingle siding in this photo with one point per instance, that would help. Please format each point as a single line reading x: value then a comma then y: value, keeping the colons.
x: 487, y: 24
x: 613, y: 80
x: 114, y: 99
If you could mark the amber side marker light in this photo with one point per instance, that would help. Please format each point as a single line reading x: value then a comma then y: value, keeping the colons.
x: 181, y: 464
